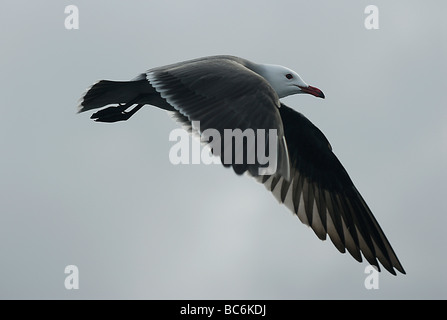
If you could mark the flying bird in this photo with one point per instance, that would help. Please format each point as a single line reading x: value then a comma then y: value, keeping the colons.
x: 227, y: 92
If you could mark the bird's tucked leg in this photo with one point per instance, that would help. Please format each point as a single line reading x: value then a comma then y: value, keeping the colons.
x: 118, y: 113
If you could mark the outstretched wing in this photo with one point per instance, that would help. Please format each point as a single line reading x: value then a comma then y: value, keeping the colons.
x: 222, y: 93
x: 323, y: 196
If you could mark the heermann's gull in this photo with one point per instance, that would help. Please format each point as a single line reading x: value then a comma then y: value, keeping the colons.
x: 226, y: 92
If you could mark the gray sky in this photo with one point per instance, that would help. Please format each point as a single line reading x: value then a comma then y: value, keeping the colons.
x: 105, y: 197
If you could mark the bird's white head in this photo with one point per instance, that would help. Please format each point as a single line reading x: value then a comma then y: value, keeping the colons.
x: 286, y: 82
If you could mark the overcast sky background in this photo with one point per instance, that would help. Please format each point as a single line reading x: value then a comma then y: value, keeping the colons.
x: 105, y: 197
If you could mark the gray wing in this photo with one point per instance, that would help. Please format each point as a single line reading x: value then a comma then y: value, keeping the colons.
x: 323, y: 196
x: 224, y: 94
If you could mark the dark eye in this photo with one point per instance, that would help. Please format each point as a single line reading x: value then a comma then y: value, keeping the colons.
x: 289, y: 76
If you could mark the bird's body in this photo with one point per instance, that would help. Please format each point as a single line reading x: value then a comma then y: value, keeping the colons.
x: 226, y: 92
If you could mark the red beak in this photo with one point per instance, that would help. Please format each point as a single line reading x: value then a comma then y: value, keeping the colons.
x: 313, y: 91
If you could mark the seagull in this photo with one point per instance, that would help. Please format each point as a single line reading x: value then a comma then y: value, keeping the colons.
x: 228, y: 92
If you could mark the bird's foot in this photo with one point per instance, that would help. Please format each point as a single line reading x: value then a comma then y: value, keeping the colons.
x: 114, y: 114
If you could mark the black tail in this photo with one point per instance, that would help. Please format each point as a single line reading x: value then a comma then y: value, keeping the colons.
x: 107, y: 92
